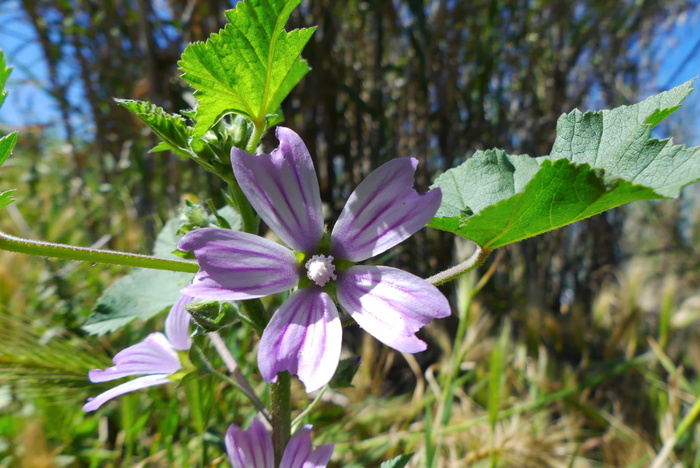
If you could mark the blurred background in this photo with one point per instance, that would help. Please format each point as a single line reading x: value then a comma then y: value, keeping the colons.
x: 580, y: 347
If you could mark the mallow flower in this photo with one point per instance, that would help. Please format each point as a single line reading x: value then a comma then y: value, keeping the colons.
x: 157, y: 358
x: 304, y: 335
x: 253, y: 448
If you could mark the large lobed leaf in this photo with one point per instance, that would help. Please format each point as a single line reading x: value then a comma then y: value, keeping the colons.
x: 249, y: 67
x: 599, y: 160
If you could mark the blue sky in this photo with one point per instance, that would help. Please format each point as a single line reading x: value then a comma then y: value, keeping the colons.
x: 27, y: 104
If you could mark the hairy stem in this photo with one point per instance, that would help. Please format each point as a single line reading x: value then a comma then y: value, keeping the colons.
x: 477, y: 258
x: 71, y: 252
x: 281, y: 409
x: 250, y: 218
x: 255, y: 137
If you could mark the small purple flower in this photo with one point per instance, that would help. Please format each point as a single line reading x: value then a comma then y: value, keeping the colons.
x: 304, y: 335
x: 252, y: 448
x: 157, y: 356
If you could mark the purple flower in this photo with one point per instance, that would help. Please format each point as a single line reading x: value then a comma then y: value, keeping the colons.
x: 252, y: 448
x: 304, y: 335
x: 157, y: 357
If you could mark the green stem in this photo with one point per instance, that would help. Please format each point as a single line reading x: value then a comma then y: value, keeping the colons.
x: 255, y: 312
x: 298, y: 420
x: 70, y: 252
x: 250, y: 218
x: 255, y: 137
x: 281, y: 409
x: 477, y: 258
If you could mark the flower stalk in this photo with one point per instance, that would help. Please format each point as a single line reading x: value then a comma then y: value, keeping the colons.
x: 281, y: 409
x: 84, y: 254
x: 478, y: 257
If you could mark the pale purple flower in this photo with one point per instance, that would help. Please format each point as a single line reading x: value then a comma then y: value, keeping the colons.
x: 304, y: 335
x: 157, y: 357
x: 252, y: 448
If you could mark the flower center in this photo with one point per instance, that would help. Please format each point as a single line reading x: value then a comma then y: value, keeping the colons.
x: 320, y: 269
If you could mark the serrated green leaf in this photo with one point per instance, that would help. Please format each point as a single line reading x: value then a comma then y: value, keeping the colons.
x: 170, y: 128
x: 249, y: 67
x: 599, y: 160
x: 398, y: 462
x: 561, y: 193
x: 619, y: 142
x: 493, y: 176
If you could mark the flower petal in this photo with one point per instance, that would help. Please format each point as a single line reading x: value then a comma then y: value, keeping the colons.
x: 382, y: 211
x: 304, y: 338
x: 390, y: 304
x: 177, y: 324
x: 235, y: 265
x: 130, y: 386
x: 300, y: 453
x: 283, y: 189
x: 154, y: 355
x: 251, y: 448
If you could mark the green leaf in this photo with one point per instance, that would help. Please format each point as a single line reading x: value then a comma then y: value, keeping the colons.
x: 599, y: 160
x: 4, y: 74
x: 561, y: 193
x: 7, y: 144
x: 6, y: 198
x: 212, y: 316
x: 143, y: 293
x: 347, y: 368
x: 485, y: 179
x: 398, y: 462
x: 249, y: 67
x: 170, y: 128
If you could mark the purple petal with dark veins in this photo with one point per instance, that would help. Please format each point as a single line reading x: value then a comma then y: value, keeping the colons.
x: 154, y: 355
x: 251, y: 448
x: 300, y: 453
x: 283, y: 189
x: 177, y: 324
x: 382, y: 211
x: 304, y: 338
x: 235, y: 265
x: 390, y: 304
x: 130, y: 386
